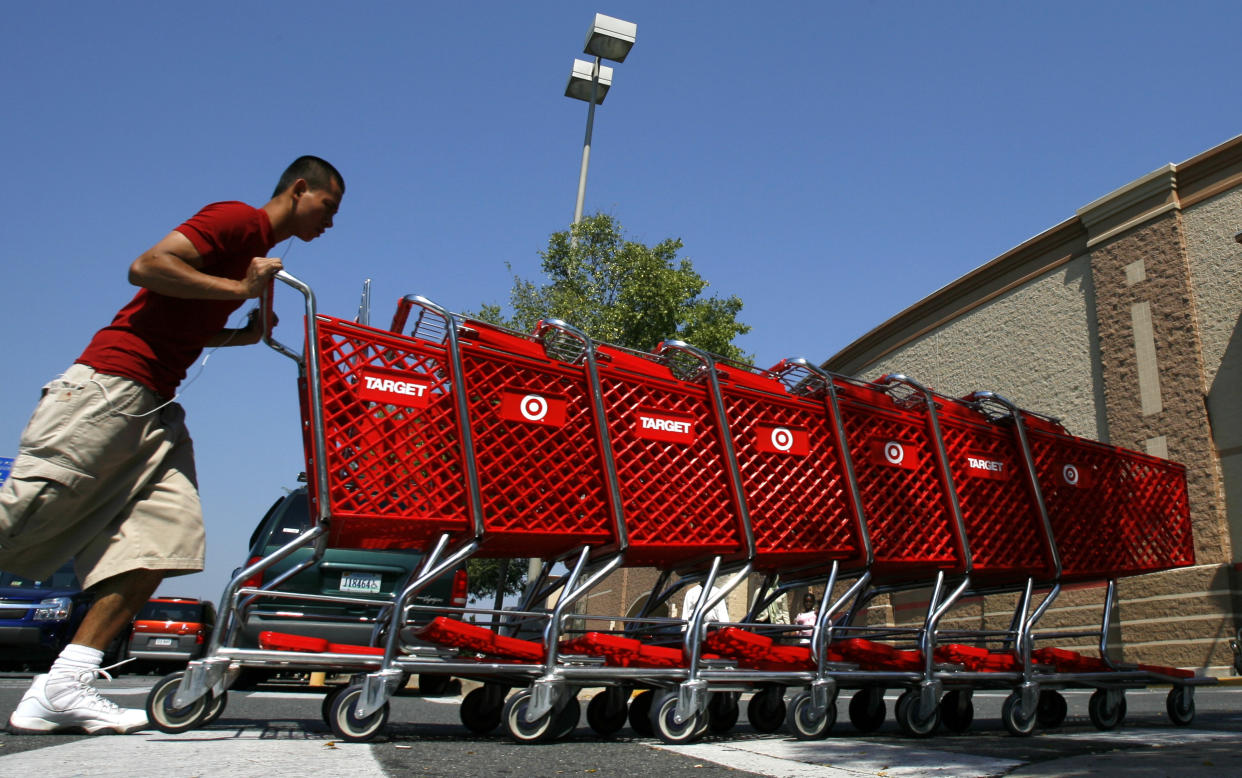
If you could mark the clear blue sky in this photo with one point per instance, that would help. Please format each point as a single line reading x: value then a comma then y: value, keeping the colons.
x: 831, y: 163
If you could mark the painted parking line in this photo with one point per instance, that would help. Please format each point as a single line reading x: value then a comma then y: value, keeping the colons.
x: 839, y: 758
x: 843, y: 758
x: 258, y: 752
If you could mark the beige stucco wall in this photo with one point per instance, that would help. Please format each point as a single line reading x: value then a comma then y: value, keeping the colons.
x: 1035, y: 345
x: 1216, y: 277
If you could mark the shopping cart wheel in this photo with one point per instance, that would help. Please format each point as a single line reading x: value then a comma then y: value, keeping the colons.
x: 766, y: 710
x: 722, y: 712
x: 1181, y: 705
x: 325, y: 707
x: 521, y: 730
x: 1052, y: 709
x: 345, y: 722
x: 640, y: 712
x: 480, y: 709
x: 957, y: 711
x: 867, y: 709
x: 666, y: 727
x: 802, y: 722
x: 215, y: 709
x: 1018, y: 721
x: 1107, y: 708
x: 166, y: 717
x: 606, y: 713
x: 433, y: 684
x: 911, y: 717
x: 565, y: 720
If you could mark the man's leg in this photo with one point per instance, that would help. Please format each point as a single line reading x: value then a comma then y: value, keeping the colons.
x: 64, y: 699
x: 117, y: 600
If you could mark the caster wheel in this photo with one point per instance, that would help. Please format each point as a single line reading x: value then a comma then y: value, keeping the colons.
x: 345, y: 722
x: 1018, y: 721
x: 640, y: 712
x: 521, y: 730
x: 867, y: 709
x: 957, y: 711
x: 1052, y: 709
x: 166, y: 717
x: 912, y: 719
x: 433, y: 684
x: 665, y: 725
x: 216, y: 709
x: 480, y: 710
x: 802, y: 721
x: 1180, y: 705
x: 1107, y: 714
x: 565, y: 720
x: 766, y: 710
x: 606, y: 713
x: 325, y: 707
x: 722, y: 712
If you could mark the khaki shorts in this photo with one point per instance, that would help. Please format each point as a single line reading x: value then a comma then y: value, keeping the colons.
x: 116, y: 492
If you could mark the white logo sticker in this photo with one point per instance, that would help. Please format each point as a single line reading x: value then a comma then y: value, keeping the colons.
x: 782, y: 439
x: 894, y: 452
x: 1070, y: 474
x: 533, y: 407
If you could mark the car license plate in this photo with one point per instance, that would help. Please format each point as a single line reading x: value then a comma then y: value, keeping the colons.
x: 360, y: 583
x: 162, y: 642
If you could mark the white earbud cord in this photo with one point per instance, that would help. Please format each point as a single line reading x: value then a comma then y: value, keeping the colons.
x: 186, y: 384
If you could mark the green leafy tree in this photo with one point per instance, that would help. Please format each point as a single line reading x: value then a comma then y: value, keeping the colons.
x: 623, y: 292
x: 619, y: 291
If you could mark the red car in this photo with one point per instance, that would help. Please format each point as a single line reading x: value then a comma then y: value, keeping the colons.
x: 172, y: 629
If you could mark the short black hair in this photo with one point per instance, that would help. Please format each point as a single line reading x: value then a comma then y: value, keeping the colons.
x: 319, y: 173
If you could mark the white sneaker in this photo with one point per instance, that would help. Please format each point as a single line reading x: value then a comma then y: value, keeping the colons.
x: 75, y: 707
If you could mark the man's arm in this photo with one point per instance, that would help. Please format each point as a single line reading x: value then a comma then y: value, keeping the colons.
x: 242, y: 336
x: 172, y: 267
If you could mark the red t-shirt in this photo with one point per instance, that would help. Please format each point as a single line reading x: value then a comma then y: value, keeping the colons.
x: 155, y: 338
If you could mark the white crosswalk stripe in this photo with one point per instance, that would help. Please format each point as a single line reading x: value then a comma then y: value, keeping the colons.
x: 249, y: 752
x: 848, y: 758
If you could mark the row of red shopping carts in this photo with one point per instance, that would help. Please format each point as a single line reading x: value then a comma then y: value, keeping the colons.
x: 468, y: 440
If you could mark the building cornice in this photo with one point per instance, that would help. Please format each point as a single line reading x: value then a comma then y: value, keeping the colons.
x: 1135, y: 203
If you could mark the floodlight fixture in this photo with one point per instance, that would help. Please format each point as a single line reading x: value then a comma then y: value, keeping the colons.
x: 584, y: 85
x: 610, y: 38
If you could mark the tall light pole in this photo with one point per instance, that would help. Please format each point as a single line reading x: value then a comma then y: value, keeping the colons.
x: 610, y: 39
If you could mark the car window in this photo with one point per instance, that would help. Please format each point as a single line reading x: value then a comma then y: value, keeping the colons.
x: 171, y: 611
x: 258, y: 530
x: 64, y: 578
x: 294, y: 519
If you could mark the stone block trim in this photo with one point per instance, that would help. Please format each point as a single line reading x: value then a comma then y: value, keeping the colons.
x: 1152, y: 364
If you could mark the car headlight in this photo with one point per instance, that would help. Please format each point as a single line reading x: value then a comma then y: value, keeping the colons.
x: 54, y: 609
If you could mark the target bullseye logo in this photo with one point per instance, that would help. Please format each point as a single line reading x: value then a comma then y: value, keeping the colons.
x: 533, y: 407
x: 782, y: 439
x: 1070, y: 474
x: 793, y: 441
x: 894, y: 453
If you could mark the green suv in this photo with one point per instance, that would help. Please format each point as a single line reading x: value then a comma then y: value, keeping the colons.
x: 360, y: 573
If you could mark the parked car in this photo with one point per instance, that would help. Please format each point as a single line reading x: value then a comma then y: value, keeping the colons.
x: 171, y: 630
x: 39, y: 617
x: 366, y: 574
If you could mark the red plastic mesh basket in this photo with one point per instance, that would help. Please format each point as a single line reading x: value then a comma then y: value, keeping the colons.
x: 395, y: 476
x: 792, y: 476
x: 1113, y: 512
x: 675, y: 486
x: 1004, y: 529
x: 536, y: 447
x: 909, y: 518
